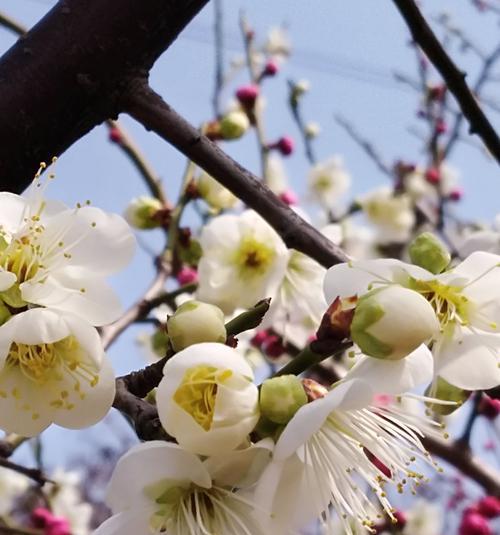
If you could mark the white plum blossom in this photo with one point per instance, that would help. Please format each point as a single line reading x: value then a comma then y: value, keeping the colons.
x: 12, y: 487
x: 338, y: 446
x: 393, y: 215
x: 465, y: 299
x: 207, y: 400
x: 243, y: 261
x: 158, y: 487
x: 215, y: 194
x: 278, y: 43
x: 58, y: 257
x: 328, y: 182
x: 52, y: 370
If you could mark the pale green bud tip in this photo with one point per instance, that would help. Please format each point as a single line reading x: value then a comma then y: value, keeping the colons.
x: 430, y: 253
x: 234, y: 125
x: 159, y: 343
x: 444, y: 391
x: 141, y: 211
x: 391, y: 322
x: 195, y: 322
x: 281, y: 397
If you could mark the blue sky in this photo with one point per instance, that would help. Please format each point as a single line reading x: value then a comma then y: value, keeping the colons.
x: 347, y: 49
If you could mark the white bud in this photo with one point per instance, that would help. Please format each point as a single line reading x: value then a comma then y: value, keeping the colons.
x: 234, y: 125
x: 215, y: 194
x: 141, y: 211
x: 195, y: 322
x: 391, y: 322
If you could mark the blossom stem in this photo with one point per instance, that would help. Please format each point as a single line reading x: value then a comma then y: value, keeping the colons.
x: 249, y: 319
x: 308, y: 358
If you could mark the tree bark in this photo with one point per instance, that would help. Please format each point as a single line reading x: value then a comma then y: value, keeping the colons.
x: 67, y: 75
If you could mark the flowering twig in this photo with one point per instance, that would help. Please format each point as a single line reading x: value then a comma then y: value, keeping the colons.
x: 123, y: 139
x: 33, y: 473
x: 154, y: 113
x: 454, y: 78
x: 299, y: 121
x: 249, y: 319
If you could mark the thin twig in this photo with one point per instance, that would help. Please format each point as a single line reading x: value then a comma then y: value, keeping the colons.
x: 299, y: 121
x: 219, y: 56
x: 12, y: 25
x: 33, y: 473
x: 155, y: 114
x: 454, y: 78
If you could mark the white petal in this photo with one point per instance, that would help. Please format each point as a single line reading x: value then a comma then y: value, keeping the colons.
x: 395, y: 376
x: 97, y: 241
x: 7, y: 279
x: 149, y: 463
x: 476, y: 265
x: 13, y: 208
x: 134, y: 522
x: 470, y: 362
x: 95, y: 406
x: 240, y: 468
x: 72, y: 290
x: 35, y: 326
x: 309, y: 418
x: 355, y: 278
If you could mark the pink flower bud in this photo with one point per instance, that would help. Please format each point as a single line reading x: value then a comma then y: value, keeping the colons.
x: 489, y: 507
x: 437, y: 92
x: 489, y: 407
x: 474, y: 524
x: 247, y: 94
x: 52, y: 525
x: 456, y: 194
x: 432, y: 175
x: 271, y: 68
x: 441, y: 126
x: 285, y: 145
x: 289, y: 197
x: 115, y: 136
x: 259, y: 338
x: 273, y: 347
x: 187, y: 275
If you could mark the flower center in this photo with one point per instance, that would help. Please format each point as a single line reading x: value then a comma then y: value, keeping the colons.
x: 450, y: 305
x: 197, y: 392
x: 45, y: 362
x: 21, y: 257
x: 253, y: 257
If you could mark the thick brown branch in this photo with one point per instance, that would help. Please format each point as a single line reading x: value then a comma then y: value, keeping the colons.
x: 149, y: 108
x: 67, y: 74
x: 452, y: 75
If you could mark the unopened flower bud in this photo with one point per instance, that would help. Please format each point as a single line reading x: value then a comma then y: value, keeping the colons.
x: 284, y: 145
x: 141, y: 211
x: 456, y: 194
x: 159, y: 343
x: 195, y: 322
x: 474, y: 524
x: 432, y: 175
x: 281, y: 397
x: 215, y: 194
x: 489, y: 407
x: 391, y: 322
x: 271, y: 68
x: 489, y: 506
x: 187, y: 275
x: 247, y: 95
x: 430, y: 253
x: 234, y: 125
x: 312, y: 130
x: 442, y: 390
x: 289, y: 197
x: 115, y: 135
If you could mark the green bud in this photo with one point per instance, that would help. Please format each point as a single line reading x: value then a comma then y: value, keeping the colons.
x: 391, y: 322
x: 430, y: 253
x: 141, y: 211
x: 159, y: 342
x: 441, y: 389
x: 12, y: 297
x: 195, y: 322
x: 281, y: 397
x: 266, y: 428
x: 234, y: 125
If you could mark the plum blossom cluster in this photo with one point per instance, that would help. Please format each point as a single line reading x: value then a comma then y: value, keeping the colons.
x: 53, y: 264
x: 253, y: 461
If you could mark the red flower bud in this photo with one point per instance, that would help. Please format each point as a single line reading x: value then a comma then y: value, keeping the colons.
x: 247, y: 95
x: 289, y: 197
x: 115, y: 136
x: 432, y: 175
x: 474, y: 524
x: 271, y: 68
x: 489, y: 507
x: 489, y: 407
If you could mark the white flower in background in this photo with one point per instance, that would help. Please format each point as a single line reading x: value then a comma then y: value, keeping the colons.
x: 465, y: 299
x: 243, y: 261
x: 417, y: 186
x: 337, y: 448
x: 66, y: 501
x: 328, y: 182
x: 392, y: 215
x: 358, y: 241
x: 278, y: 43
x: 158, y: 487
x: 215, y: 194
x: 486, y: 239
x: 207, y: 400
x: 424, y: 518
x: 276, y: 177
x: 57, y: 257
x: 449, y: 179
x: 52, y: 370
x: 12, y: 487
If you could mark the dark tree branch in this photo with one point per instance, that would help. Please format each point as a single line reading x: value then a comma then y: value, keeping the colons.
x: 68, y: 73
x: 155, y: 114
x: 33, y: 473
x: 454, y: 77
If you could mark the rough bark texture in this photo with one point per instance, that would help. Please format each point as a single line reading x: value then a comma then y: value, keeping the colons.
x: 80, y: 58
